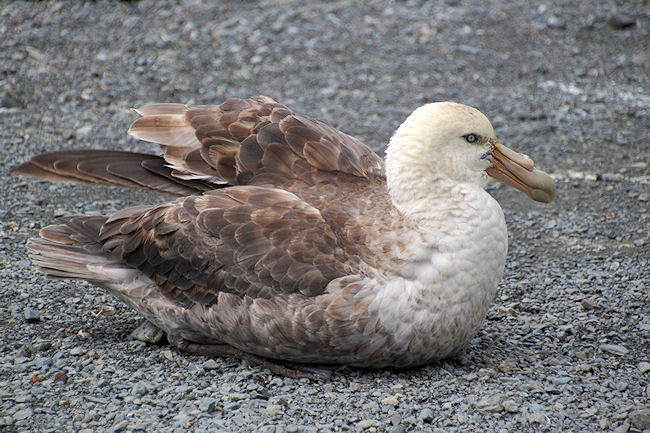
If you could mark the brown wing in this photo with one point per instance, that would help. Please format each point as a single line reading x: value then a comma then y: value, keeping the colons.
x: 251, y: 141
x: 240, y: 142
x: 110, y: 167
x: 249, y: 241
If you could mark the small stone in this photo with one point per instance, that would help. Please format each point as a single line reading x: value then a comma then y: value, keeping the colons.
x: 621, y: 385
x: 623, y: 428
x: 41, y: 346
x: 589, y: 304
x: 31, y: 315
x: 621, y: 21
x: 236, y: 396
x: 60, y: 377
x: 206, y: 404
x: 354, y: 386
x: 23, y: 414
x: 292, y: 428
x: 492, y: 403
x: 148, y: 332
x: 537, y: 418
x: 14, y: 310
x: 142, y: 388
x: 210, y: 364
x: 84, y: 333
x: 644, y: 367
x: 554, y: 22
x: 365, y: 423
x: 77, y: 351
x: 182, y: 420
x: 390, y: 401
x: 614, y: 349
x: 120, y: 426
x: 273, y: 409
x: 509, y: 405
x: 639, y: 418
x: 84, y: 131
x: 426, y: 416
x: 560, y: 380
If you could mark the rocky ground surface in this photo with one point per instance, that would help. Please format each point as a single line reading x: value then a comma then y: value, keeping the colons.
x: 566, y: 343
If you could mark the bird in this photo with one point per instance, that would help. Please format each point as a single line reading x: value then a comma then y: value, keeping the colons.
x: 291, y: 244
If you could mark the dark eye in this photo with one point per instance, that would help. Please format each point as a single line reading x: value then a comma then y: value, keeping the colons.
x: 471, y: 138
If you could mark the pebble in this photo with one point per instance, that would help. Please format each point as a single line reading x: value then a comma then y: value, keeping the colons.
x: 31, y: 315
x: 623, y: 428
x: 236, y: 396
x: 510, y: 405
x: 621, y: 385
x: 589, y: 304
x: 554, y: 22
x: 120, y: 426
x: 614, y: 349
x: 207, y: 404
x: 141, y: 388
x: 426, y: 415
x: 621, y: 21
x: 77, y: 351
x: 41, y: 346
x: 390, y: 401
x: 640, y: 418
x: 492, y: 403
x: 210, y: 364
x: 644, y: 366
x: 23, y: 414
x: 273, y: 410
x: 84, y: 131
x: 60, y: 377
x: 366, y: 423
x: 14, y: 310
x: 538, y: 418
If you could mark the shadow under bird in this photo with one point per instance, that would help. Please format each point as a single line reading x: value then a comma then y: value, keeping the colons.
x: 293, y: 244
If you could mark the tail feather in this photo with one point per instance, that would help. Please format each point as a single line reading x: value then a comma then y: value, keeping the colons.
x: 71, y: 251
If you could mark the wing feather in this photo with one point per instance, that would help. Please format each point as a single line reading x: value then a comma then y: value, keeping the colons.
x: 251, y: 141
x: 109, y: 167
x: 247, y: 241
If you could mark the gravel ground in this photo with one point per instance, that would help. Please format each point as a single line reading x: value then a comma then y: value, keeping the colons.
x: 566, y: 344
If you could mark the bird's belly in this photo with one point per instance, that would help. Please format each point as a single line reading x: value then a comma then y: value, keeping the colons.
x: 433, y: 307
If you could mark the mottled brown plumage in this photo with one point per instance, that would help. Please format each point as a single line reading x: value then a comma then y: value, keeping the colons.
x: 286, y: 242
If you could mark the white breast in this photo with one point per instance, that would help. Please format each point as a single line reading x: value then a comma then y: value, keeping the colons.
x: 437, y: 301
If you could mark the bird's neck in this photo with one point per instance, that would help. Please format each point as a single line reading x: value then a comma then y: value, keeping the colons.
x: 420, y: 192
